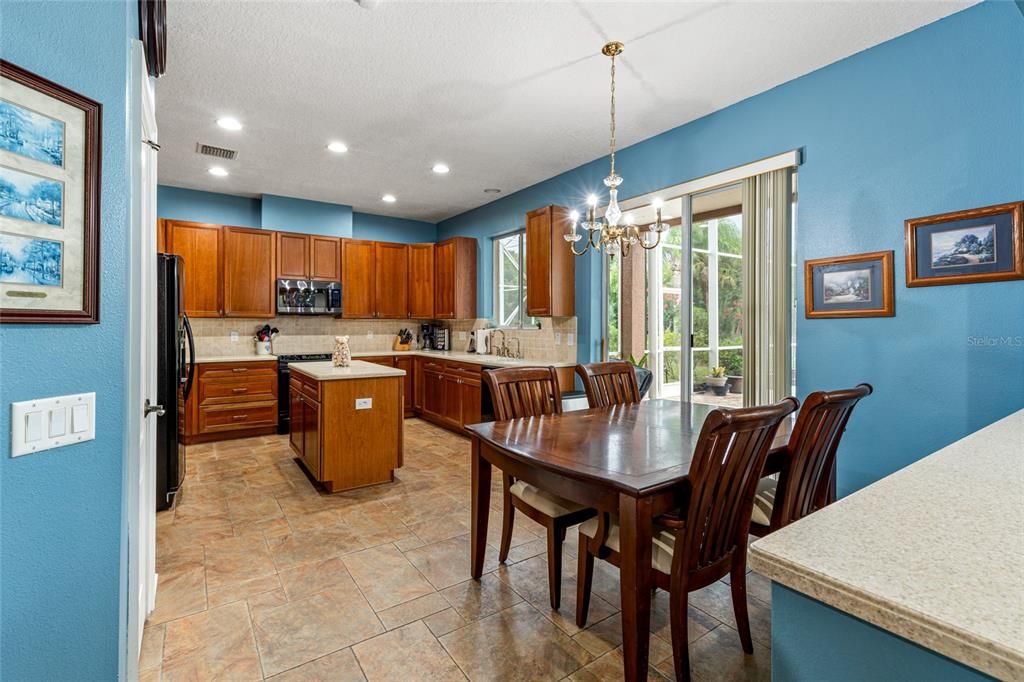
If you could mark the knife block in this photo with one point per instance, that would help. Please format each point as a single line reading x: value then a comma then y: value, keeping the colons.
x: 398, y: 345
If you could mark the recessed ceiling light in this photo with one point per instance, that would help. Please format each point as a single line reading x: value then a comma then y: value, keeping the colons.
x: 338, y: 147
x: 388, y: 198
x: 440, y: 168
x: 229, y: 123
x: 492, y: 190
x: 219, y: 171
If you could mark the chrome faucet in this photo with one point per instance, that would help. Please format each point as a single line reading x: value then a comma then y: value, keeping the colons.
x: 501, y: 350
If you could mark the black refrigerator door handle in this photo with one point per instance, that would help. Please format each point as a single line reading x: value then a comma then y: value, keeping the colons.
x: 192, y: 356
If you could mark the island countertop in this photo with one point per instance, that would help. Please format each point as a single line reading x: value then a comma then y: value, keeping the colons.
x: 933, y: 553
x: 326, y: 371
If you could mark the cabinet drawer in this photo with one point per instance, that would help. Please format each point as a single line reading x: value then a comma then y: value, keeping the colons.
x: 464, y: 367
x: 235, y: 417
x: 433, y: 366
x: 222, y: 370
x: 237, y: 389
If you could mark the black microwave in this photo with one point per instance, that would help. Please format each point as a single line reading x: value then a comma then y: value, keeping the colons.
x: 308, y: 297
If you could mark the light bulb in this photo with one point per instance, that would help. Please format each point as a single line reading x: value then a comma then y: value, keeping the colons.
x: 657, y: 203
x: 337, y: 147
x: 592, y: 200
x: 229, y: 123
x: 574, y: 216
x: 218, y: 171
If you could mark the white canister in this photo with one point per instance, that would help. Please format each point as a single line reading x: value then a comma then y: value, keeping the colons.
x: 263, y: 348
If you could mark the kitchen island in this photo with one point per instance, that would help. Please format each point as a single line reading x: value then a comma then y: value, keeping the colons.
x: 346, y: 422
x: 915, y: 577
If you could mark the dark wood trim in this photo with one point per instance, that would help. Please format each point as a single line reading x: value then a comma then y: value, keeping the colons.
x: 888, y: 308
x: 723, y: 212
x: 1016, y: 209
x: 90, y: 312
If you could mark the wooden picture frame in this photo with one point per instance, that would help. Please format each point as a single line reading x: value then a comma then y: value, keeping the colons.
x: 944, y: 261
x: 50, y: 148
x: 862, y: 286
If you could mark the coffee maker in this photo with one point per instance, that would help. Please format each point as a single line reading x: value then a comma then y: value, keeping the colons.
x: 435, y: 337
x: 427, y: 336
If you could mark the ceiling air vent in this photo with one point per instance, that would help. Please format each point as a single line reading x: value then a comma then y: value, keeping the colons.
x: 218, y: 152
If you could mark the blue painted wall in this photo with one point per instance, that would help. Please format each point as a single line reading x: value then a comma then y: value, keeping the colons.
x: 179, y: 203
x: 273, y: 212
x: 303, y: 215
x: 813, y: 641
x: 60, y: 511
x: 385, y: 229
x: 926, y: 123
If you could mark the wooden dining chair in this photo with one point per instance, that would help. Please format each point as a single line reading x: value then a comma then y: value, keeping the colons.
x: 707, y: 539
x: 609, y: 383
x: 807, y: 482
x: 532, y: 392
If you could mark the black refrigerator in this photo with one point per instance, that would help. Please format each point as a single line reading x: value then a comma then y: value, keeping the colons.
x: 176, y: 368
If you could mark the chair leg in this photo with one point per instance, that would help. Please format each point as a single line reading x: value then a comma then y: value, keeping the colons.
x: 679, y: 619
x: 555, y: 537
x: 738, y: 583
x: 507, y: 518
x: 584, y: 581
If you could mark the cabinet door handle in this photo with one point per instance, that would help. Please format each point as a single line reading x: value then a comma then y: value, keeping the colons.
x: 239, y: 369
x: 239, y: 390
x: 240, y: 417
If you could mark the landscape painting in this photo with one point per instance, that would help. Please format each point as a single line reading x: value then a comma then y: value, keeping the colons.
x: 847, y: 286
x: 965, y: 246
x: 36, y: 199
x: 32, y: 135
x: 27, y: 260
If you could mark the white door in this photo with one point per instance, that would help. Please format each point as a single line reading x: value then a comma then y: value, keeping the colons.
x: 140, y: 496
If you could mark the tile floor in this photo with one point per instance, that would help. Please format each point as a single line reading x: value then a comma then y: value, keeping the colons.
x: 263, y: 577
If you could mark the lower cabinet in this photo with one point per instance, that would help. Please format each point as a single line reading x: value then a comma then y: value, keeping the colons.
x: 408, y: 395
x: 304, y: 436
x: 451, y: 393
x: 232, y: 400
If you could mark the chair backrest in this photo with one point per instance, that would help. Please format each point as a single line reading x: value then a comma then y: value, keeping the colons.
x: 523, y: 392
x: 609, y: 383
x: 730, y: 456
x: 806, y: 483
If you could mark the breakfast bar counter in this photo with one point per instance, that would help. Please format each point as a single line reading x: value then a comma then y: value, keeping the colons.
x: 933, y: 554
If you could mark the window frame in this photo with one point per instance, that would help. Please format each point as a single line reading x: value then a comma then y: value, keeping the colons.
x: 523, y: 321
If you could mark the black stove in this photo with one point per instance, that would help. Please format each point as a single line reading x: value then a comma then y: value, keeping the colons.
x: 283, y: 374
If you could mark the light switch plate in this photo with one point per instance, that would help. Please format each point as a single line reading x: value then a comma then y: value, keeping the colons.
x: 558, y: 338
x: 234, y: 337
x: 570, y: 339
x: 462, y: 336
x: 364, y: 403
x: 62, y: 416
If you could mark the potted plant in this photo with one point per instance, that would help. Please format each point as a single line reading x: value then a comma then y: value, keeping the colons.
x: 718, y: 381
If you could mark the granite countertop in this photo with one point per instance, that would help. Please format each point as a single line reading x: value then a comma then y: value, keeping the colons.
x: 246, y: 357
x: 474, y: 358
x: 933, y: 553
x: 326, y: 371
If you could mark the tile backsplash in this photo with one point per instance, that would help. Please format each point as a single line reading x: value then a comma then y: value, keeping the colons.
x: 316, y: 335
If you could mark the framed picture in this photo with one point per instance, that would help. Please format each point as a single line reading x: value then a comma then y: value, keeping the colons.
x: 49, y: 201
x: 979, y: 245
x: 850, y: 286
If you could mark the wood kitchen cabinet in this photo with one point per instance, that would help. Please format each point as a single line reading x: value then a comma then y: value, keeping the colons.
x: 455, y: 279
x: 249, y: 265
x: 452, y: 393
x: 421, y: 281
x: 358, y: 276
x: 391, y: 289
x: 550, y: 265
x: 232, y: 400
x: 199, y: 245
x: 308, y: 256
x: 305, y: 426
x: 418, y: 381
x: 404, y: 362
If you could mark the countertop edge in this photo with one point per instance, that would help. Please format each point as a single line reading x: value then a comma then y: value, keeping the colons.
x: 381, y: 373
x: 939, y: 636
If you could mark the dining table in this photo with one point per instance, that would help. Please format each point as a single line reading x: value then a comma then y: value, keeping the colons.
x: 629, y: 460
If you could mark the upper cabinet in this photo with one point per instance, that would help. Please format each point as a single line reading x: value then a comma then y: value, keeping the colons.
x: 199, y: 245
x: 550, y: 265
x: 421, y: 281
x: 325, y: 258
x: 392, y: 280
x: 307, y: 256
x: 455, y: 279
x: 249, y: 266
x: 358, y: 277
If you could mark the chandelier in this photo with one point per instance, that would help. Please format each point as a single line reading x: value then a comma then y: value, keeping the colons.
x: 616, y: 238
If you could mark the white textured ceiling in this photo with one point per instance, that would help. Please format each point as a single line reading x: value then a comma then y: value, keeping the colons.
x: 507, y: 94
